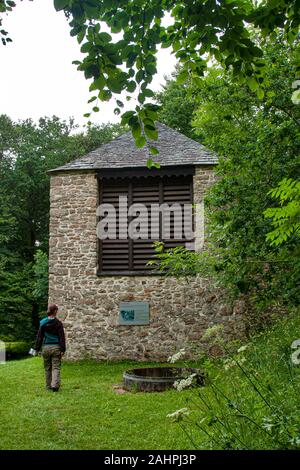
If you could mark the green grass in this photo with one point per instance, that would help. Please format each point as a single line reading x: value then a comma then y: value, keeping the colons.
x: 87, y: 413
x: 230, y: 412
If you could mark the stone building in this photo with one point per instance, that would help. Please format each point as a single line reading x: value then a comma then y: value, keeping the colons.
x: 114, y: 304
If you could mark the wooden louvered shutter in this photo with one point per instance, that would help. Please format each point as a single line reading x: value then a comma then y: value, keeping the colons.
x: 147, y: 192
x: 133, y: 255
x: 114, y: 254
x: 177, y: 190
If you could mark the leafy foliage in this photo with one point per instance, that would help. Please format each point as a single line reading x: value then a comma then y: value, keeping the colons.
x: 177, y: 106
x: 16, y: 304
x: 251, y: 397
x: 16, y: 349
x: 27, y: 152
x: 180, y: 261
x: 197, y: 31
x: 40, y: 268
x: 5, y: 6
x: 285, y: 219
x: 125, y: 61
x: 257, y: 141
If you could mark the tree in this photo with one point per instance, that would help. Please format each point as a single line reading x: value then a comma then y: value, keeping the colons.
x: 258, y: 143
x: 285, y: 219
x: 28, y: 150
x: 40, y: 268
x: 177, y: 105
x: 198, y: 31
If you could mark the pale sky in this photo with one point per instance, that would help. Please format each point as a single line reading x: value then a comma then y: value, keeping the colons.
x: 37, y: 77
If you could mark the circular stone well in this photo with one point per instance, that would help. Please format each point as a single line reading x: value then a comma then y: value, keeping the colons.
x: 158, y: 379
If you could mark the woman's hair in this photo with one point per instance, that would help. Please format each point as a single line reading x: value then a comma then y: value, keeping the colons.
x: 52, y: 308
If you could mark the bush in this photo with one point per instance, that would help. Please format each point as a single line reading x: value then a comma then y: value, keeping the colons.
x: 252, y: 397
x: 17, y: 349
x: 16, y: 305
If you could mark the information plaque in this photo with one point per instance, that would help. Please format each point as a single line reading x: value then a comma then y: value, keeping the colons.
x: 134, y: 313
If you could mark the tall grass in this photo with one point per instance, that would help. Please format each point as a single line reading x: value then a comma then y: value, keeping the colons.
x: 252, y: 397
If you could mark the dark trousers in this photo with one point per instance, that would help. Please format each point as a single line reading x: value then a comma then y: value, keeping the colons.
x: 52, y: 364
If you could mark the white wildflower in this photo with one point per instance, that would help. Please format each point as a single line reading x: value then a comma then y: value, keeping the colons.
x: 242, y: 348
x: 184, y: 383
x: 179, y: 414
x: 176, y: 356
x: 211, y: 332
x: 295, y: 441
x: 242, y: 360
x: 228, y: 363
x: 268, y: 425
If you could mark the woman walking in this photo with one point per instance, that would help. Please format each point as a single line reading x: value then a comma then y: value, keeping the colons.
x: 51, y: 340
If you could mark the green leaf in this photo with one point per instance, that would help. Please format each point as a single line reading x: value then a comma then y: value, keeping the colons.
x: 86, y: 47
x: 80, y: 36
x: 139, y: 76
x: 105, y: 95
x: 98, y: 84
x: 136, y: 130
x: 140, y: 142
x: 131, y: 86
x: 154, y: 150
x: 149, y: 93
x: 151, y: 132
x: 141, y: 98
x: 182, y: 77
x: 252, y: 83
x: 60, y: 4
x: 104, y: 37
x: 260, y: 93
x: 114, y: 85
x: 151, y: 164
x: 126, y: 116
x: 151, y: 69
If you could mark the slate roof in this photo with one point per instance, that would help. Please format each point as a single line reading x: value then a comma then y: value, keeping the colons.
x: 174, y: 149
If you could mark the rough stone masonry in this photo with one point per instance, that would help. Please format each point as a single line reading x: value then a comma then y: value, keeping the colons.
x: 180, y: 310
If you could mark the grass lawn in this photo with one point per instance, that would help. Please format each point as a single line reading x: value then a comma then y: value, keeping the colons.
x: 250, y: 402
x: 87, y: 413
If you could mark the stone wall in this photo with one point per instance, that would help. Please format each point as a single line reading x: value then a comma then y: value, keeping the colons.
x: 180, y: 310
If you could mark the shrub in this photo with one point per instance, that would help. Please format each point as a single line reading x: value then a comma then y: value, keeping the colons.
x: 17, y: 349
x: 251, y: 400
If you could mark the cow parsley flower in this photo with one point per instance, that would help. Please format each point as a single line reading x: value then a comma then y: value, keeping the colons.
x: 212, y: 332
x: 176, y: 356
x: 184, y: 383
x: 179, y: 414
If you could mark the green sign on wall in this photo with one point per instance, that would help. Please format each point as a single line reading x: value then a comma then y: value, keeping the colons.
x: 134, y: 313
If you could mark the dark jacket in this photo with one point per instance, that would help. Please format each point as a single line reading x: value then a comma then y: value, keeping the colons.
x: 51, y: 332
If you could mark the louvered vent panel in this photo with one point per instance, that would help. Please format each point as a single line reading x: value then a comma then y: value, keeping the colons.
x: 134, y: 254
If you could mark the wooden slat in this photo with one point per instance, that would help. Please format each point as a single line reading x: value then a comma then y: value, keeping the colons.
x: 116, y: 253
